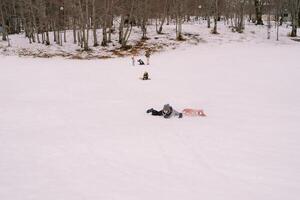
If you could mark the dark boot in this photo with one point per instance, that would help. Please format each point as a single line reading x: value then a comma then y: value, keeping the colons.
x: 150, y: 110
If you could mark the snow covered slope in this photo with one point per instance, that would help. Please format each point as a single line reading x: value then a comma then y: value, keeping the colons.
x: 74, y: 130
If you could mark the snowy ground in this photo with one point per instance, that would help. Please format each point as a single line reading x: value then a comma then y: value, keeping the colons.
x: 75, y: 129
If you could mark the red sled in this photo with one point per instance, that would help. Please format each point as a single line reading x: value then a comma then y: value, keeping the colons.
x: 193, y: 112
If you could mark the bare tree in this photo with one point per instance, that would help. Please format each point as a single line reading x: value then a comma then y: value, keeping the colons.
x: 179, y: 17
x: 216, y: 16
x: 39, y: 18
x: 126, y: 21
x: 294, y: 6
x: 258, y: 11
x: 95, y: 22
x: 2, y: 17
x: 162, y: 16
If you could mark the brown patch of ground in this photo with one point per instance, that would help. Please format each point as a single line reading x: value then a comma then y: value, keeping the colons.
x: 296, y: 39
x: 138, y: 48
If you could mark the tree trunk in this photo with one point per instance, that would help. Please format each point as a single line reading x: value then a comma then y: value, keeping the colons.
x: 65, y: 36
x: 104, y: 35
x: 34, y: 26
x: 43, y: 38
x: 299, y: 17
x: 179, y: 20
x: 124, y: 36
x: 258, y: 12
x: 47, y: 38
x: 58, y: 37
x: 208, y: 22
x: 240, y: 27
x: 86, y: 41
x: 144, y: 29
x: 178, y: 28
x: 79, y: 37
x: 121, y: 29
x: 295, y: 6
x: 94, y: 25
x: 74, y: 31
x: 294, y: 27
x: 104, y: 25
x: 110, y: 29
x: 216, y: 15
x: 163, y: 18
x: 84, y: 25
x: 4, y: 37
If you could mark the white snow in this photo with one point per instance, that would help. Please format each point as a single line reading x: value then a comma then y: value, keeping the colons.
x: 75, y: 129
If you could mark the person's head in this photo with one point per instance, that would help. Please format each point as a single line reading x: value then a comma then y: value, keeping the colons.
x: 167, y: 109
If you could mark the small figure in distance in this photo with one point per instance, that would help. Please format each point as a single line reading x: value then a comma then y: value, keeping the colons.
x: 141, y: 62
x: 145, y: 76
x: 133, y: 60
x: 167, y: 112
x: 148, y: 54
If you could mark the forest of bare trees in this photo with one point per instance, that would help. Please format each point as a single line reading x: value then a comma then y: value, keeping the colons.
x: 40, y: 18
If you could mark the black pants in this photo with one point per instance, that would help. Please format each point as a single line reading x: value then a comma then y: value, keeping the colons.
x: 157, y: 113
